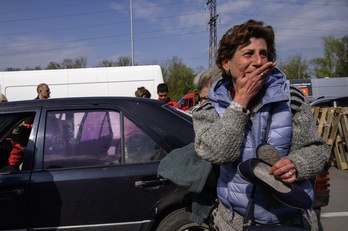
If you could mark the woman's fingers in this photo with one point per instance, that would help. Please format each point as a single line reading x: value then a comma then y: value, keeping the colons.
x: 285, y: 170
x: 265, y: 69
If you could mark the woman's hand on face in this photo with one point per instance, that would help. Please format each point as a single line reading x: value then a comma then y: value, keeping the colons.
x: 247, y: 85
x: 285, y: 170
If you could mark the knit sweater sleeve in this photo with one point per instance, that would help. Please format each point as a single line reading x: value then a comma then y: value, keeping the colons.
x: 309, y: 152
x: 218, y: 140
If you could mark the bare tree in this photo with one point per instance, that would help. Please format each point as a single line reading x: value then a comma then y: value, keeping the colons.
x: 123, y: 61
x: 53, y: 65
x: 12, y: 69
x: 80, y: 62
x: 106, y: 63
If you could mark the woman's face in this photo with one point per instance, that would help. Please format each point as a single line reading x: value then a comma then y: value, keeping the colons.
x: 248, y: 58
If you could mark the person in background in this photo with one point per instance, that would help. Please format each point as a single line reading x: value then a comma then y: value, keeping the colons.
x: 250, y: 107
x: 19, y: 141
x: 3, y: 98
x: 43, y: 91
x: 203, y: 81
x: 142, y: 92
x: 163, y: 95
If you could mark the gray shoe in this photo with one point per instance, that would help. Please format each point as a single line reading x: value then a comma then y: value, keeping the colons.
x: 256, y: 171
x: 268, y: 154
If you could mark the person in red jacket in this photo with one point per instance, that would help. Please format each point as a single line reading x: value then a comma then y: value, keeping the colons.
x: 163, y: 95
x: 20, y: 136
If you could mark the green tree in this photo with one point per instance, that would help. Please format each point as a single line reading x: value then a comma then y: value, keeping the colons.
x: 295, y: 67
x: 180, y: 78
x: 335, y: 60
x: 165, y: 69
x: 342, y: 54
x: 321, y: 67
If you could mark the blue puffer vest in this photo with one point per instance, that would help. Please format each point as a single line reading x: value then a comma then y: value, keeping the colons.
x: 274, y: 109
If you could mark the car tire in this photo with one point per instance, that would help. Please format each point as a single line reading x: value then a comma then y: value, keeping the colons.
x: 179, y: 221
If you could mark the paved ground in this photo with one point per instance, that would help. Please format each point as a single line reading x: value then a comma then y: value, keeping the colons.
x: 334, y: 217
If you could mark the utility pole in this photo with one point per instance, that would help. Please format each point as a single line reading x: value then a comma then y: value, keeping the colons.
x: 131, y: 28
x: 212, y: 35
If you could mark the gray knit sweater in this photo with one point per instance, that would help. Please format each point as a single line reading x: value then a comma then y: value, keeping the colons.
x: 218, y: 140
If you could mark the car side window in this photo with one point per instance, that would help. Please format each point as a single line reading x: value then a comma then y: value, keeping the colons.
x: 81, y: 138
x: 15, y: 131
x: 95, y: 137
x: 139, y: 147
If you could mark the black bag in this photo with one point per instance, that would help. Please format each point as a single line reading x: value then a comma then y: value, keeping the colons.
x: 248, y: 225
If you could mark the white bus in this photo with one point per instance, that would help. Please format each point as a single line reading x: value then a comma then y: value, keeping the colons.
x: 101, y: 81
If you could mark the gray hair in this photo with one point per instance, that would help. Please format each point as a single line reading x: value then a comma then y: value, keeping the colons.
x: 207, y: 77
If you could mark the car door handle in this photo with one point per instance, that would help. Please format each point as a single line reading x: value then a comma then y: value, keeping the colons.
x: 152, y: 183
x: 12, y: 192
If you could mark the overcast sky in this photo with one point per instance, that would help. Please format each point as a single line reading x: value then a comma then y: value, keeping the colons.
x: 35, y: 32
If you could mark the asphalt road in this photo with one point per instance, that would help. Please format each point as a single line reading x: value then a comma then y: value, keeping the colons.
x: 334, y: 217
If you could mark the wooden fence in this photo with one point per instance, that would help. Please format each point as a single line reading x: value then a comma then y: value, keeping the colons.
x: 332, y: 126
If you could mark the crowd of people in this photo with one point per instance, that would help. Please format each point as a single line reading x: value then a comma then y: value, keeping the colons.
x: 162, y: 92
x: 257, y: 129
x: 43, y: 92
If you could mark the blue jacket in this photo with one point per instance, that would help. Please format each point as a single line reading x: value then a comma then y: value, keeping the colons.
x: 273, y: 116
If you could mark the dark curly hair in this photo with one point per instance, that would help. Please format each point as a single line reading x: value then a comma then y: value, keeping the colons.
x: 240, y: 35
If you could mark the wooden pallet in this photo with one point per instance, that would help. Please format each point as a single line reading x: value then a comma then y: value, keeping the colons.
x: 332, y: 127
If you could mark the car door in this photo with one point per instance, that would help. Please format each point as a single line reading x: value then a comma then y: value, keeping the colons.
x: 14, y: 179
x: 88, y: 176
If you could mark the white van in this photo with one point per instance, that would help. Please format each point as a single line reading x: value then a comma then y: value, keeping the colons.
x: 324, y: 87
x: 101, y: 81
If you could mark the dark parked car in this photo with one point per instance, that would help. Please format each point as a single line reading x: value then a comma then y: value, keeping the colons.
x: 330, y: 101
x: 91, y: 164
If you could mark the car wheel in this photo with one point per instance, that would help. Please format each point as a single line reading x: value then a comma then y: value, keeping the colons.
x: 179, y: 221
